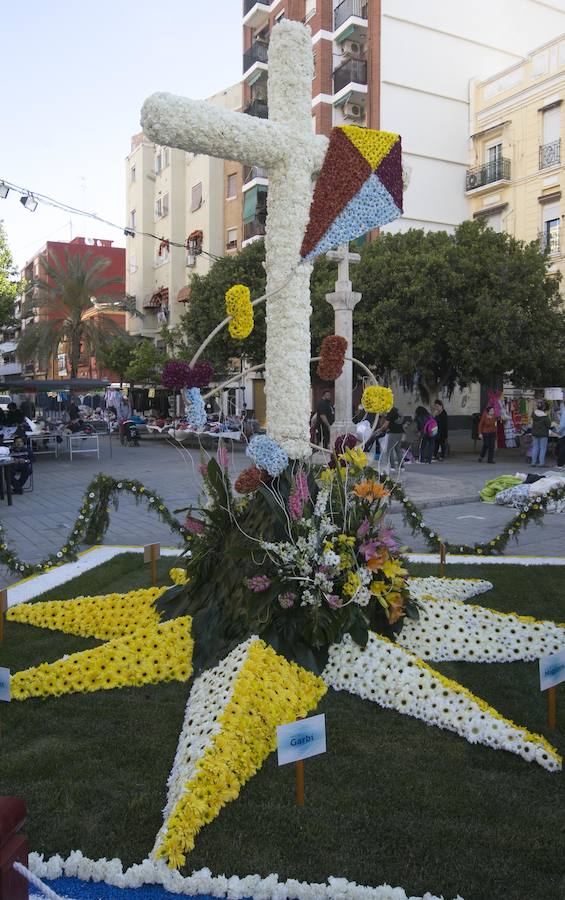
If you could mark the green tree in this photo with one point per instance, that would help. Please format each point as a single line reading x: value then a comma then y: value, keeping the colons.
x: 60, y: 300
x: 206, y: 308
x: 10, y: 286
x: 475, y: 305
x: 146, y: 364
x: 117, y: 355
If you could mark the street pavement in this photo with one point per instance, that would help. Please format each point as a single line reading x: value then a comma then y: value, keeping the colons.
x: 39, y: 521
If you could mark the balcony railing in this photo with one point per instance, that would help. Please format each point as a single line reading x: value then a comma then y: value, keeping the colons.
x: 253, y: 229
x: 497, y: 170
x: 258, y: 52
x: 550, y: 240
x: 258, y: 108
x: 354, y: 70
x: 550, y: 154
x: 11, y: 368
x: 349, y: 8
x: 249, y: 4
x: 250, y: 173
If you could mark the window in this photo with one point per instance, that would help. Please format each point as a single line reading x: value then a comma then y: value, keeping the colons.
x: 231, y: 243
x: 550, y: 237
x: 494, y: 221
x: 232, y: 187
x: 161, y: 255
x: 161, y: 159
x: 310, y: 9
x: 132, y: 174
x: 132, y: 262
x: 493, y: 160
x: 162, y: 206
x: 133, y: 219
x: 196, y: 197
x: 550, y: 149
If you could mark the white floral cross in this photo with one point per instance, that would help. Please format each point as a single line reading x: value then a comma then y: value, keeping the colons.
x: 286, y: 146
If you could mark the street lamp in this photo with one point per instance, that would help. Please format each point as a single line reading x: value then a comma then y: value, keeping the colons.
x: 28, y: 202
x: 4, y: 191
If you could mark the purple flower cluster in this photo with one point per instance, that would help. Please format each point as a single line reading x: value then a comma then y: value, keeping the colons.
x: 286, y: 601
x: 177, y: 374
x: 298, y: 497
x: 258, y: 584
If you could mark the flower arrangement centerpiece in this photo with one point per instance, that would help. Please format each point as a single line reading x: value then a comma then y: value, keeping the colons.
x: 304, y: 558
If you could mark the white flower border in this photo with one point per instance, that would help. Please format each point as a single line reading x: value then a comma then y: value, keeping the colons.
x: 110, y: 871
x: 391, y: 676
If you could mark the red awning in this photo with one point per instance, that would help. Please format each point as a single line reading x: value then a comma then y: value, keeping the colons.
x: 184, y: 294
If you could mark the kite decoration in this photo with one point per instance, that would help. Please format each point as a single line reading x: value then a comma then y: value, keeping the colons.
x: 359, y: 188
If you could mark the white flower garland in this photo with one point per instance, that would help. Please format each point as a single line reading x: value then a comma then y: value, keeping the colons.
x: 391, y: 676
x: 452, y: 630
x: 208, y: 698
x: 447, y: 588
x: 111, y: 871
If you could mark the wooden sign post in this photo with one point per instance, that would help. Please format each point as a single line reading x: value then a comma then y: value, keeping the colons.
x: 552, y: 673
x: 552, y: 707
x: 299, y: 782
x: 151, y: 553
x: 441, y: 560
x: 3, y: 609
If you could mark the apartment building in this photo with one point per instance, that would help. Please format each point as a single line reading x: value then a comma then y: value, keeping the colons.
x: 403, y: 66
x: 517, y: 173
x: 180, y: 198
x: 57, y: 367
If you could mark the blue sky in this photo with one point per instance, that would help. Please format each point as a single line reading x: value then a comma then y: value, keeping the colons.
x: 74, y: 76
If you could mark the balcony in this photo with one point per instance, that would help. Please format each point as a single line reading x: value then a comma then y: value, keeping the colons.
x: 550, y: 240
x: 255, y: 229
x: 256, y: 14
x: 489, y: 173
x: 550, y: 154
x: 256, y: 57
x: 12, y: 368
x: 8, y: 347
x: 258, y: 108
x: 354, y: 71
x: 349, y: 9
x: 253, y: 176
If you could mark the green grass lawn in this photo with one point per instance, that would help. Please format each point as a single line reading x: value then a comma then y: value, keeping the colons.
x: 393, y: 800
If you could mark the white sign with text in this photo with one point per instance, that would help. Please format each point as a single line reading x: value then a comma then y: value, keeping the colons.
x: 5, y: 684
x: 551, y: 670
x: 301, y: 739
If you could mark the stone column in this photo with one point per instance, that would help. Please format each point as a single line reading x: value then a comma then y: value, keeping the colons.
x: 344, y: 302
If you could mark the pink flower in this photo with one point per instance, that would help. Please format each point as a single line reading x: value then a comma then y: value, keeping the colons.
x: 203, y: 469
x: 368, y: 549
x: 258, y: 583
x: 334, y: 602
x: 298, y: 497
x: 223, y: 457
x: 286, y: 601
x: 295, y: 506
x: 302, y: 487
x: 363, y: 529
x: 195, y: 526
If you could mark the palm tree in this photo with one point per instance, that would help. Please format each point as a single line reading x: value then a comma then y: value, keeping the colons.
x: 59, y: 301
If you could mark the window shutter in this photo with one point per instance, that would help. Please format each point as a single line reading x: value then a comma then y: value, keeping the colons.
x: 551, y: 124
x: 196, y: 199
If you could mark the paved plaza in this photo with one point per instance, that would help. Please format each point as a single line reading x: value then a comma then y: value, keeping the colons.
x: 39, y: 521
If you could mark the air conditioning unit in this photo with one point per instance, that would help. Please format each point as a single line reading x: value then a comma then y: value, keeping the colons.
x: 352, y: 48
x: 354, y: 111
x: 190, y: 259
x: 474, y: 180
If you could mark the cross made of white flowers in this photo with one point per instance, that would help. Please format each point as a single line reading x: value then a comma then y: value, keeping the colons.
x: 286, y: 146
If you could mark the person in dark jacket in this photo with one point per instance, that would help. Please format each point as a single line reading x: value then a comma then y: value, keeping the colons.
x: 21, y: 466
x: 541, y: 425
x: 14, y: 416
x: 427, y: 426
x: 324, y: 419
x: 440, y: 416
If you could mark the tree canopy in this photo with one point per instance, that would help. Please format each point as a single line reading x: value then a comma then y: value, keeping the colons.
x: 145, y: 365
x: 206, y: 307
x: 117, y: 354
x: 10, y: 286
x: 60, y: 300
x: 475, y: 305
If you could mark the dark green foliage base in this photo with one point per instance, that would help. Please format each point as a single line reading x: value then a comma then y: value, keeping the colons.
x: 393, y: 800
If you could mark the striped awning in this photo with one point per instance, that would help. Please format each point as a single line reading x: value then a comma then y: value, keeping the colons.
x: 184, y: 294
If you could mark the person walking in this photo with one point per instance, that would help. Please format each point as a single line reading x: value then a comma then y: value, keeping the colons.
x: 427, y: 426
x: 561, y: 441
x: 442, y: 420
x: 487, y: 433
x: 325, y: 417
x: 541, y: 425
x: 391, y: 456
